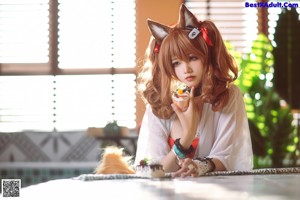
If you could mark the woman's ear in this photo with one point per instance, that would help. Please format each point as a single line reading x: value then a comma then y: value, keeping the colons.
x: 187, y: 20
x: 159, y: 31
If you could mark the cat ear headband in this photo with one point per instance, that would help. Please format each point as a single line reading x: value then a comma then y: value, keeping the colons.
x: 186, y: 21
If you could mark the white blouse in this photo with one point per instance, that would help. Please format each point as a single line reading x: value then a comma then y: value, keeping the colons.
x: 224, y: 135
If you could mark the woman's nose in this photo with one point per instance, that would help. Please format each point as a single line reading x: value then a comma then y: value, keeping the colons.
x: 187, y: 68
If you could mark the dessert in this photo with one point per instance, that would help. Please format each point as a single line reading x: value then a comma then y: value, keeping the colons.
x: 181, y: 97
x: 150, y: 170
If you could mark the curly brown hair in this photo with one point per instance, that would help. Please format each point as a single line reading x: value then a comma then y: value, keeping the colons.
x: 158, y: 78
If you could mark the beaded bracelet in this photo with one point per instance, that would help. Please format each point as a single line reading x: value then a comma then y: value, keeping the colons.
x: 178, y: 153
x: 181, y: 149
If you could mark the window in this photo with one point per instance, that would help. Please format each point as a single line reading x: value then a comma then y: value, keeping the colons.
x: 273, y: 17
x: 66, y: 64
x: 24, y: 32
x: 101, y: 24
x: 236, y: 23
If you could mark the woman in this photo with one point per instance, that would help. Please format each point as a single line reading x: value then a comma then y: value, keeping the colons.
x: 212, y: 133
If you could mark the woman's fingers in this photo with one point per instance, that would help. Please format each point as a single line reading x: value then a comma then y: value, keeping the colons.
x: 192, y: 92
x: 188, y: 173
x: 177, y: 110
x: 178, y: 173
x: 184, y: 172
x: 188, y: 168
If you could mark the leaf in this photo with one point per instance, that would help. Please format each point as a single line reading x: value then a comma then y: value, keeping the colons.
x: 258, y: 141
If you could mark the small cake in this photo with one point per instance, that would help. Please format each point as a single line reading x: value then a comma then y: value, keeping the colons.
x: 150, y: 170
x: 181, y: 97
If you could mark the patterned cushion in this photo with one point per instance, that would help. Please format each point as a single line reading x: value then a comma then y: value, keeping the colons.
x: 256, y: 171
x: 92, y: 177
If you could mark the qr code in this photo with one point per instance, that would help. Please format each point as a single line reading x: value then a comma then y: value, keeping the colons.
x: 11, y: 187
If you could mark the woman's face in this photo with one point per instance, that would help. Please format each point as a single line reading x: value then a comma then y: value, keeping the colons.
x: 189, y: 72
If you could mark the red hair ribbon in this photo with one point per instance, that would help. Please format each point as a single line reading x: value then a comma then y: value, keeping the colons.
x: 156, y: 48
x: 204, y: 32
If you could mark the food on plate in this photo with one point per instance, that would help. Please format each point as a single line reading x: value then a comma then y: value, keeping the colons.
x: 150, y: 169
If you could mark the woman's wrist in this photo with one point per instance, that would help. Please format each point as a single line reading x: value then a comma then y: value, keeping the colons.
x: 180, y: 151
x: 186, y: 141
x: 204, y: 165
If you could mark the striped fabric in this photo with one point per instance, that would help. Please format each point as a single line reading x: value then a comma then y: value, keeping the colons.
x: 265, y: 171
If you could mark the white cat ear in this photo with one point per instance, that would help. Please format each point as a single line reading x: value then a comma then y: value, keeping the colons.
x: 187, y: 20
x: 159, y: 31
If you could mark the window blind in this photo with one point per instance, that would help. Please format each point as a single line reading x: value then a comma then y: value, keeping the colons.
x: 78, y: 105
x: 26, y: 103
x: 237, y: 24
x: 105, y: 29
x: 24, y: 31
x: 90, y: 34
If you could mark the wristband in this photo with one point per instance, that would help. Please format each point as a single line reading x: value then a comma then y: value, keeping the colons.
x: 178, y: 153
x: 213, y: 166
x: 204, y: 165
x: 181, y: 149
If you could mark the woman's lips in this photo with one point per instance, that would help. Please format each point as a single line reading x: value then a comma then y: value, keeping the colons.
x: 190, y: 78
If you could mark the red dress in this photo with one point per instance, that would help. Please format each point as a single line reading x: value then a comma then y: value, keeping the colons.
x: 194, y: 144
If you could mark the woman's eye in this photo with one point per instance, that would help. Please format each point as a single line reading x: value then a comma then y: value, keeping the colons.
x: 193, y: 58
x: 175, y: 63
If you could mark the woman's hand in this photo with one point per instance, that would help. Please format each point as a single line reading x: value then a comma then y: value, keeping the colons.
x: 189, y: 119
x: 188, y: 168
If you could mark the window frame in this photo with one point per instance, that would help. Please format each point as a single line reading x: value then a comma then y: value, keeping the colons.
x: 51, y: 68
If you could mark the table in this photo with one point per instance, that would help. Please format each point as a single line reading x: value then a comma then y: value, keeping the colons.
x: 237, y: 187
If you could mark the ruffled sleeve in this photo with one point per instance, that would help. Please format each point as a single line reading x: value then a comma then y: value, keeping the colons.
x: 153, y: 136
x: 232, y: 143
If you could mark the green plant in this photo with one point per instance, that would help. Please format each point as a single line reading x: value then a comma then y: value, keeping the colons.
x: 270, y: 123
x: 112, y: 129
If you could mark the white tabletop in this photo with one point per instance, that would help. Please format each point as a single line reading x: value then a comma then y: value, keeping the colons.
x: 258, y: 187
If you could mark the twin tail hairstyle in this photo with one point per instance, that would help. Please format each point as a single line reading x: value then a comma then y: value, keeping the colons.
x: 158, y: 79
